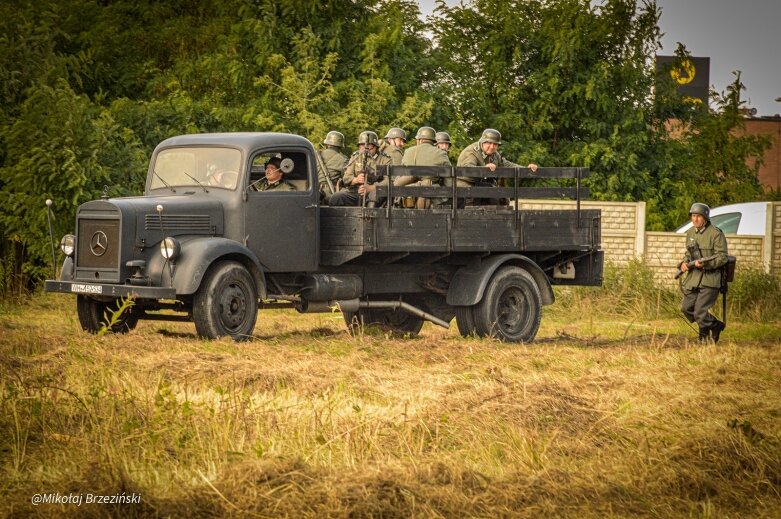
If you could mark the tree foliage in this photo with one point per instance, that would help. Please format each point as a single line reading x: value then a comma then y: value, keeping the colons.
x: 90, y: 87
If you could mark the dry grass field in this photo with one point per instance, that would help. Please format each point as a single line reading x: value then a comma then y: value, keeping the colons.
x: 602, y: 416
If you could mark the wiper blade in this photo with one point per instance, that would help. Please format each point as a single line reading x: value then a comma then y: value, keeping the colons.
x: 196, y: 181
x: 163, y: 181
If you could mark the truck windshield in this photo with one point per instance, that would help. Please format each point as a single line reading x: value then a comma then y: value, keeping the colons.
x: 202, y: 167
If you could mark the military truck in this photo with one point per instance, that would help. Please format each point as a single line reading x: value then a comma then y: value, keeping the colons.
x: 204, y: 245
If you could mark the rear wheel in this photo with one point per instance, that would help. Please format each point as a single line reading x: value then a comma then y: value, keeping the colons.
x: 226, y: 303
x: 511, y: 306
x: 94, y: 315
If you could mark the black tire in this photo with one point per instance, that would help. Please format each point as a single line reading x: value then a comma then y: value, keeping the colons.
x: 226, y: 302
x: 465, y: 320
x: 93, y: 314
x: 511, y: 307
x: 394, y: 321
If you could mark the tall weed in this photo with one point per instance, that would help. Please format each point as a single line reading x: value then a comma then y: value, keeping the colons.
x: 630, y: 290
x: 755, y: 295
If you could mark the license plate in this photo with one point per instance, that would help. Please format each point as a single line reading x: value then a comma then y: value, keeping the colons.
x: 85, y: 288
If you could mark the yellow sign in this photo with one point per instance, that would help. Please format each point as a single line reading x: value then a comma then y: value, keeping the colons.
x: 684, y: 73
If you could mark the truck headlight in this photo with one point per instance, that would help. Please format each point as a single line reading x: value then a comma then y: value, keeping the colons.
x: 170, y: 248
x: 68, y: 244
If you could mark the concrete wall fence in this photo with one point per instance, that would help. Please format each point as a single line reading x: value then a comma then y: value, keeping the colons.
x: 624, y: 238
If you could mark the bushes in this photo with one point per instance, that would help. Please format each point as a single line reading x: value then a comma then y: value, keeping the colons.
x: 755, y: 295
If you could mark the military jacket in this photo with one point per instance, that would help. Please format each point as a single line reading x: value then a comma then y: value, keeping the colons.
x: 474, y: 156
x: 334, y: 162
x: 364, y: 163
x: 392, y: 151
x: 424, y: 154
x: 263, y: 185
x: 711, y: 241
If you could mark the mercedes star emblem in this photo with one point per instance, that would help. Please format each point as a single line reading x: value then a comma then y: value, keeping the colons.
x: 98, y: 243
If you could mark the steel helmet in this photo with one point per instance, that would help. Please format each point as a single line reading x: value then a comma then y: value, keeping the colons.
x: 701, y: 209
x: 426, y: 133
x: 368, y: 138
x: 396, y: 133
x: 443, y: 137
x: 334, y: 138
x: 491, y: 135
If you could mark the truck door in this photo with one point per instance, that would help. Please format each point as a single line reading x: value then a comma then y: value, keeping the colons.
x: 281, y: 219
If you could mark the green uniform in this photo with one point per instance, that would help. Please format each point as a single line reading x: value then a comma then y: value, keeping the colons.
x: 334, y: 162
x: 359, y: 163
x: 474, y: 156
x: 263, y: 185
x: 424, y: 154
x: 701, y: 286
x: 394, y: 152
x: 711, y: 241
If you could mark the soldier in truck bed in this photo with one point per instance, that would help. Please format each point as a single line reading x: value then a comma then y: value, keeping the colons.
x: 485, y: 153
x: 393, y: 143
x: 334, y: 161
x: 362, y: 166
x: 424, y: 153
x: 702, y: 283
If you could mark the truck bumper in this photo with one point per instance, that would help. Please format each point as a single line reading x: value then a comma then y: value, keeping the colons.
x: 98, y: 289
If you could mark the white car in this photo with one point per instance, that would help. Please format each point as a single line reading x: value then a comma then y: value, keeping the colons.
x: 746, y: 219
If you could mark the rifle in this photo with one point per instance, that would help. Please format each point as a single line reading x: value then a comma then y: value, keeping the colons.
x: 691, y: 265
x: 321, y: 163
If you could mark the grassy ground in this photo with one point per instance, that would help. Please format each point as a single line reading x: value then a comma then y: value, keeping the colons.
x: 602, y: 416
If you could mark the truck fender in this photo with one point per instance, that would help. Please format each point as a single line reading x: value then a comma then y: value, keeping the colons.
x: 198, y: 255
x: 469, y: 282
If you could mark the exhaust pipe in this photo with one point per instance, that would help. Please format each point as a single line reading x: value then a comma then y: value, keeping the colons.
x: 353, y: 305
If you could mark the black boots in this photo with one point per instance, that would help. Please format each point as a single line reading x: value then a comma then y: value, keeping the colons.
x: 716, y: 330
x: 713, y: 332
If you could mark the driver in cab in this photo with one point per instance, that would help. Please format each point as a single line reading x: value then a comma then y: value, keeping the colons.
x: 274, y: 178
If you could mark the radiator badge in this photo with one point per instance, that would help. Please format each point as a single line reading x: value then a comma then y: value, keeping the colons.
x: 98, y: 243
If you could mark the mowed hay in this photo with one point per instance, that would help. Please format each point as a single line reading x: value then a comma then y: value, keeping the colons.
x: 595, y: 419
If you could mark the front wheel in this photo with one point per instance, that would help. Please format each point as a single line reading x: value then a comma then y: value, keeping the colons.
x: 465, y: 320
x: 226, y: 303
x: 94, y: 315
x: 511, y: 307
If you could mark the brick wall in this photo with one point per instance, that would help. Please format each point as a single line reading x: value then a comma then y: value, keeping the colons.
x: 774, y: 247
x: 624, y: 239
x: 622, y: 225
x: 769, y: 174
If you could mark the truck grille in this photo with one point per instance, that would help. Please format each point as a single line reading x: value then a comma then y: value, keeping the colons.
x: 178, y: 222
x: 98, y: 245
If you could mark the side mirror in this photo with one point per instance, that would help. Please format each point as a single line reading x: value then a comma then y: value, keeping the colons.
x: 287, y: 165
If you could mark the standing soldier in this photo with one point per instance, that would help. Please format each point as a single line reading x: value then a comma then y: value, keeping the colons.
x: 485, y: 153
x: 424, y: 153
x: 393, y: 143
x: 331, y: 163
x: 361, y: 170
x: 706, y: 253
x: 443, y: 141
